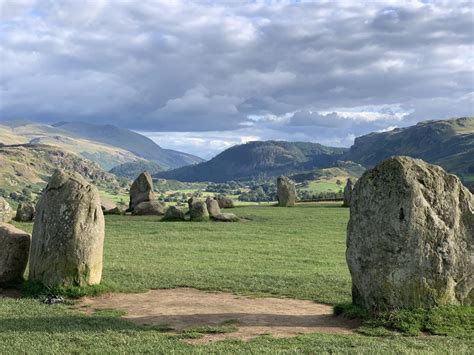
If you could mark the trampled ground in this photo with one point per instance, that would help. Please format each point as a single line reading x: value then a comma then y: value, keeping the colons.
x: 294, y: 252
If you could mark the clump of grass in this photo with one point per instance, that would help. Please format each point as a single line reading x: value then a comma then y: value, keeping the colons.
x: 35, y: 289
x: 208, y: 329
x: 456, y: 321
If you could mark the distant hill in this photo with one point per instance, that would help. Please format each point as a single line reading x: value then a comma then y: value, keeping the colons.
x: 107, y: 156
x: 448, y: 143
x: 258, y: 159
x: 133, y: 142
x: 133, y: 169
x: 29, y: 166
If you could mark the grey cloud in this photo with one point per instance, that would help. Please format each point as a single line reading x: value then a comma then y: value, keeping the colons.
x: 199, y: 66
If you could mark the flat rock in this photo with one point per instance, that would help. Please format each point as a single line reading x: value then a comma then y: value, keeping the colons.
x: 149, y: 208
x: 225, y: 217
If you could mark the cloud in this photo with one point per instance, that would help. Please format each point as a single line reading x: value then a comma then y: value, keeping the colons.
x: 321, y: 71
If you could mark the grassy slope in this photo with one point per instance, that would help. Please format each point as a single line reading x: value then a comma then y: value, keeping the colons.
x: 295, y: 252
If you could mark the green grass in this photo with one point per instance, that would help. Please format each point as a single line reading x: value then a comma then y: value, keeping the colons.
x: 317, y: 186
x: 285, y: 252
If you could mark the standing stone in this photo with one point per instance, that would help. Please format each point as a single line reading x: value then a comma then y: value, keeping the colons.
x: 213, y: 207
x: 68, y: 233
x: 5, y: 211
x: 199, y: 211
x: 191, y: 201
x: 25, y: 212
x: 347, y: 193
x: 149, y: 208
x: 141, y: 190
x: 225, y: 202
x: 14, y: 249
x: 286, y: 191
x: 410, y: 239
x: 173, y: 213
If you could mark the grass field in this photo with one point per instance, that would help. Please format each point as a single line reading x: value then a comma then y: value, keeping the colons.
x: 292, y: 252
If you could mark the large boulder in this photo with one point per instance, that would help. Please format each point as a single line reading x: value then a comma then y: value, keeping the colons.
x: 25, y: 212
x: 286, y: 191
x: 410, y: 238
x: 14, y: 249
x: 225, y: 202
x: 68, y: 233
x: 5, y: 211
x: 173, y: 213
x: 199, y: 212
x: 347, y: 193
x: 149, y: 208
x: 212, y: 207
x: 141, y: 190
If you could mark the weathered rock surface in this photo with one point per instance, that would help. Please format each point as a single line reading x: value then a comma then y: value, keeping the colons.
x: 107, y: 204
x: 25, y: 212
x: 5, y: 211
x: 14, y: 250
x: 68, y: 233
x: 173, y: 213
x: 213, y: 207
x: 199, y: 211
x: 191, y: 201
x: 149, y: 208
x: 225, y: 217
x: 141, y: 190
x: 225, y: 202
x: 286, y: 191
x: 410, y: 239
x: 347, y: 193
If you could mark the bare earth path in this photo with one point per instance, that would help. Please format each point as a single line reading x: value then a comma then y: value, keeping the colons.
x: 185, y: 308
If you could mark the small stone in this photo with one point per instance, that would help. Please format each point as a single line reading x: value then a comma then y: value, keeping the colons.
x: 25, y: 212
x: 14, y: 250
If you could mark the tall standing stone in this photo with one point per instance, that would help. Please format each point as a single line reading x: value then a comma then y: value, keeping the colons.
x: 68, y: 233
x: 5, y: 211
x: 141, y: 190
x: 348, y: 193
x: 199, y: 212
x: 14, y: 249
x: 410, y: 240
x: 212, y: 207
x: 286, y: 191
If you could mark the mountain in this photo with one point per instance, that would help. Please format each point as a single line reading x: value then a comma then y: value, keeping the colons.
x: 448, y: 143
x: 25, y: 166
x: 133, y: 169
x: 130, y: 141
x: 258, y: 159
x: 107, y: 156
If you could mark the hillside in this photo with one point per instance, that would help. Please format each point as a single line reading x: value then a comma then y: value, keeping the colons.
x: 30, y: 166
x: 130, y: 141
x: 107, y: 156
x: 449, y: 143
x: 133, y: 169
x: 258, y: 160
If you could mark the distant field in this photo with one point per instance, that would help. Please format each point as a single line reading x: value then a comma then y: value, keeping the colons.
x: 317, y: 186
x: 284, y: 252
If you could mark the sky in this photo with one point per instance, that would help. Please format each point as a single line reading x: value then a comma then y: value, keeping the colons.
x: 201, y: 76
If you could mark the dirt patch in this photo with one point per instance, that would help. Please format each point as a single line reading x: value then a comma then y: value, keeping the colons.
x: 184, y: 308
